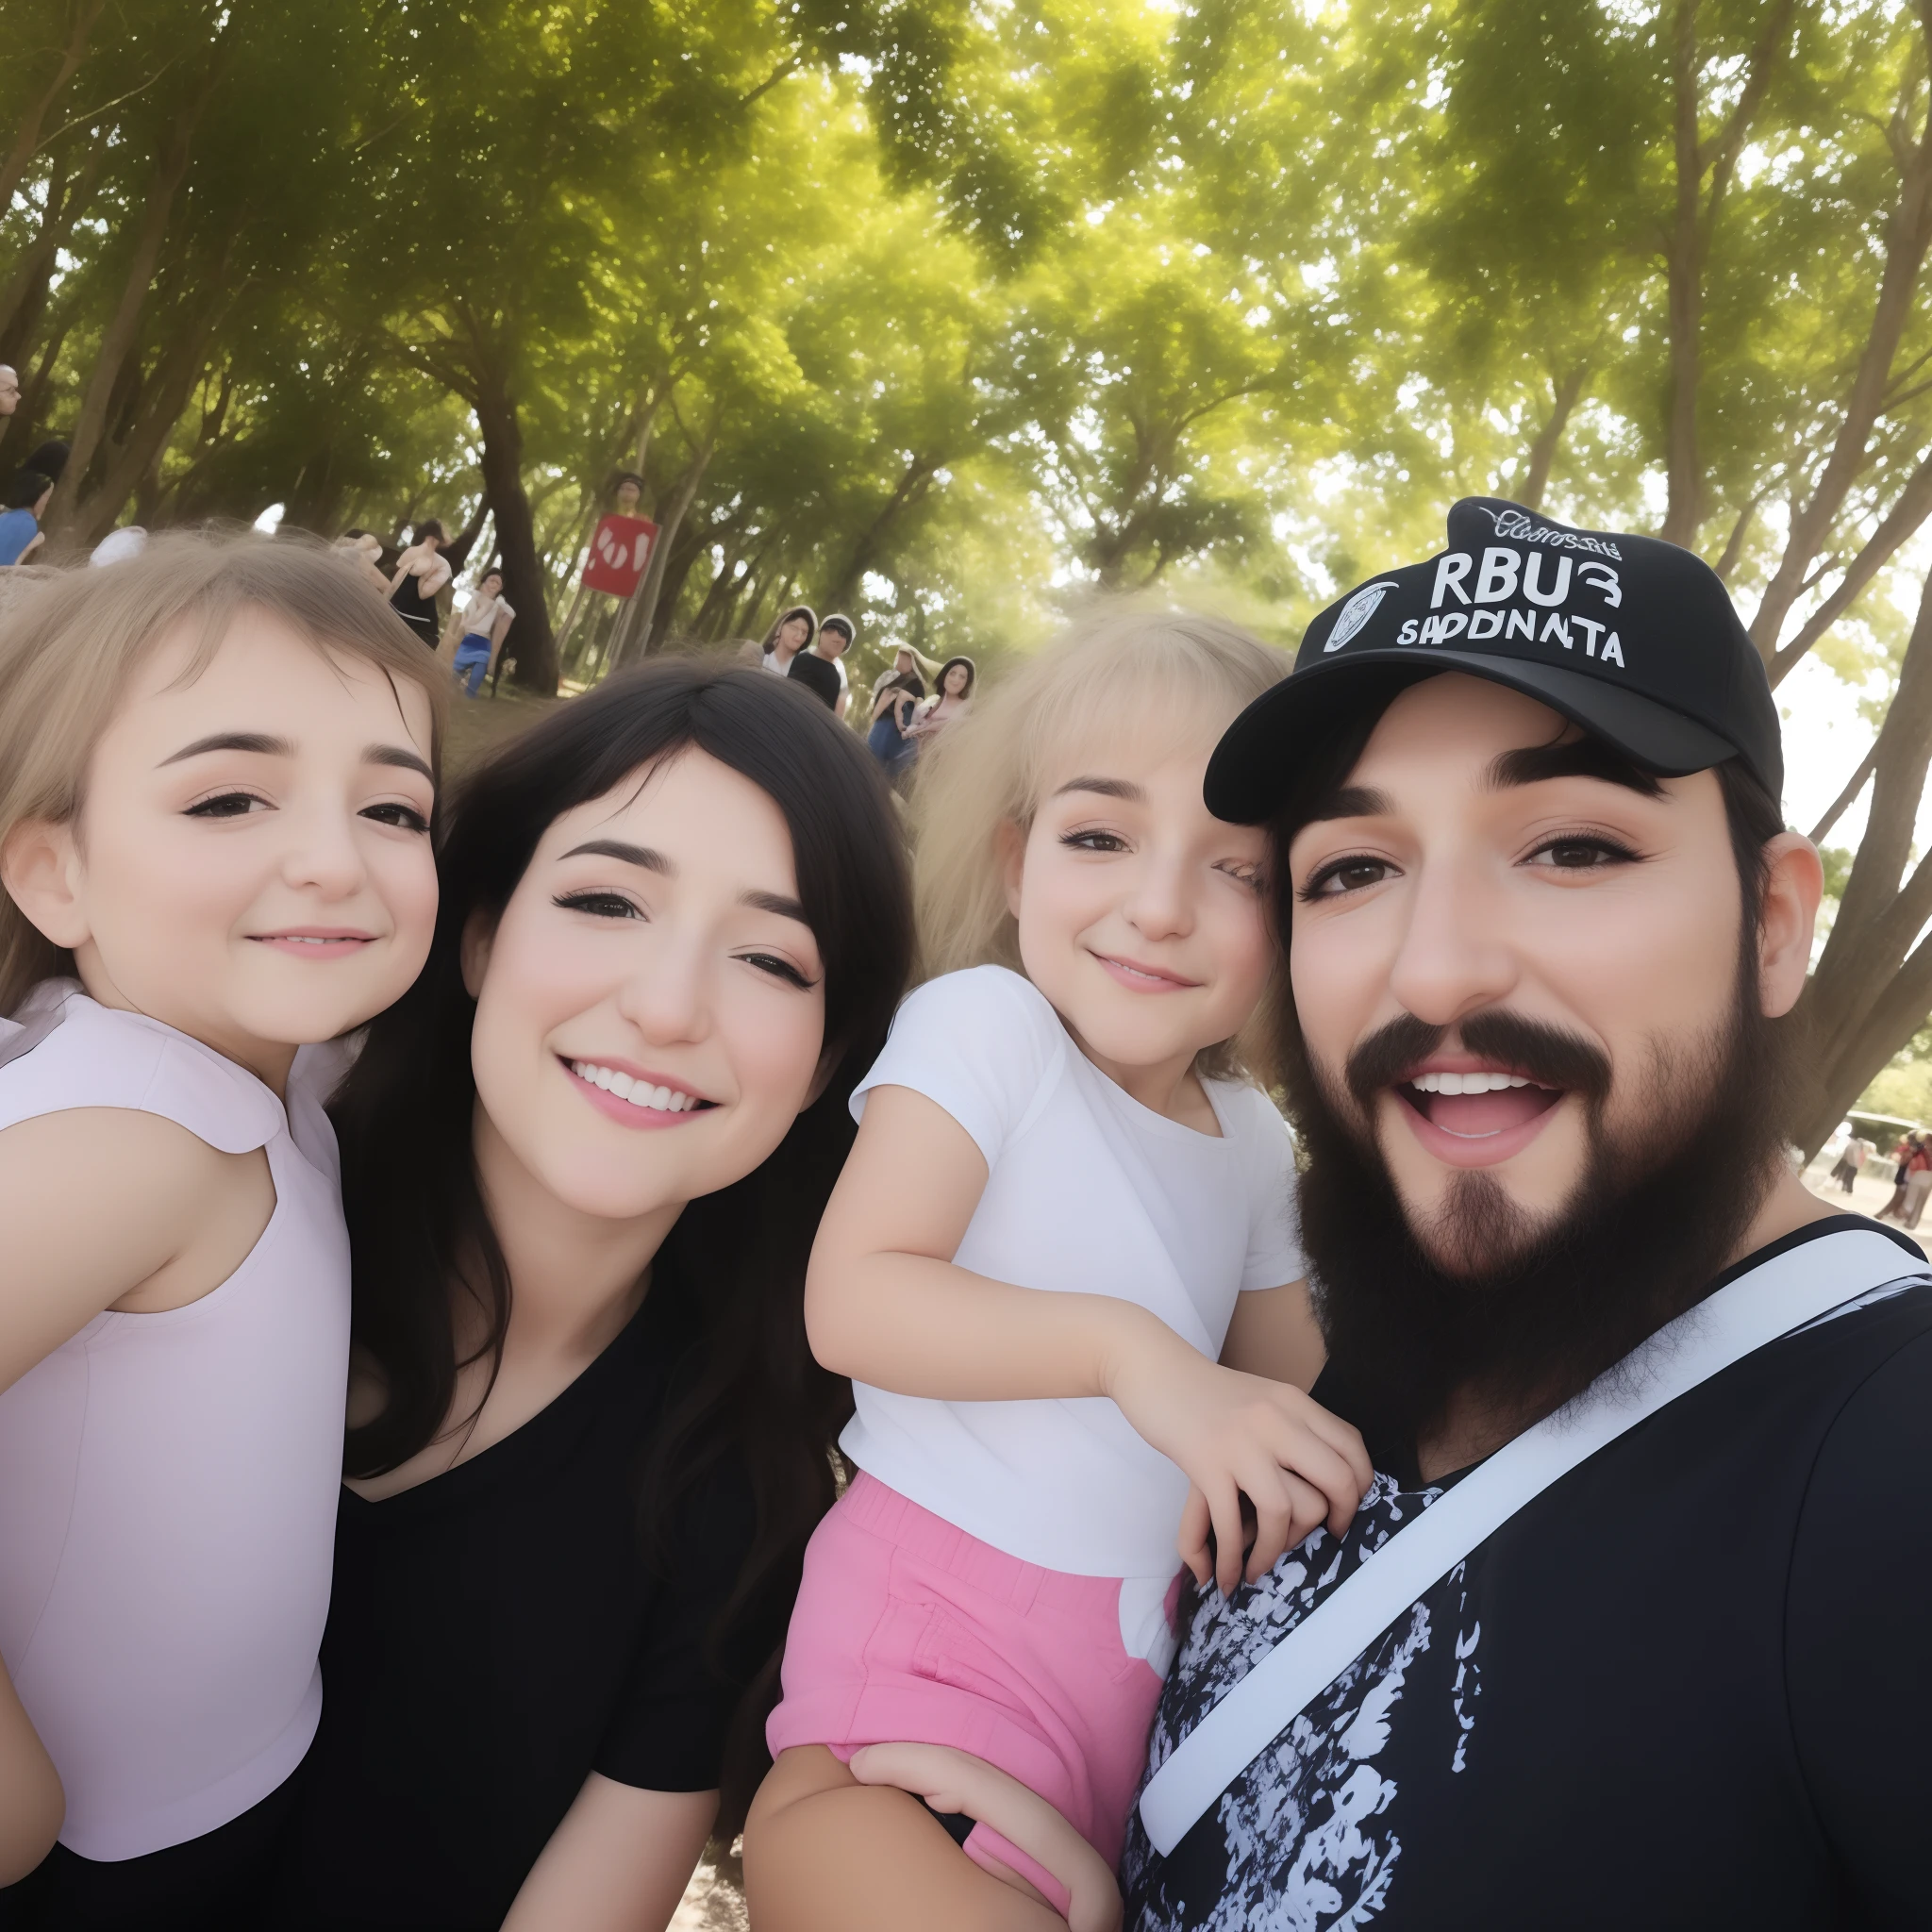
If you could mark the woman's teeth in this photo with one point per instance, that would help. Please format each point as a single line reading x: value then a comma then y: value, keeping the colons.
x: 639, y: 1092
x: 1467, y: 1083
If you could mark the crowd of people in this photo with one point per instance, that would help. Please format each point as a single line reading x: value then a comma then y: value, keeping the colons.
x: 678, y: 1293
x: 901, y: 716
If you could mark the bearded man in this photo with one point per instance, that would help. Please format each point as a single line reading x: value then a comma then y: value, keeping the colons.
x: 1546, y: 939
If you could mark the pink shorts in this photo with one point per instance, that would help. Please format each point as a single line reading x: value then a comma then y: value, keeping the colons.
x: 909, y: 1631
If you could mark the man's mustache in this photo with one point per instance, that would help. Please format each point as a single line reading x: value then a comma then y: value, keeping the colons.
x: 1544, y: 1053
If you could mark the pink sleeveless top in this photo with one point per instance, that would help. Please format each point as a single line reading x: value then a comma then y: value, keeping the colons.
x: 168, y: 1482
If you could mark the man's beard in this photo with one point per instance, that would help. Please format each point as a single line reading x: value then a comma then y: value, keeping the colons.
x: 1514, y: 1311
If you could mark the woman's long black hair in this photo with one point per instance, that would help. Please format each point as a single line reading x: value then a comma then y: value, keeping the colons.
x: 734, y: 1264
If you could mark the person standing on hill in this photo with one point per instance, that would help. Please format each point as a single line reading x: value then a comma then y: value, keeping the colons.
x: 420, y: 573
x: 486, y: 621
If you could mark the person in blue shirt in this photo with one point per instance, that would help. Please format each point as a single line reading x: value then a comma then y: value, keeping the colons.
x: 20, y: 526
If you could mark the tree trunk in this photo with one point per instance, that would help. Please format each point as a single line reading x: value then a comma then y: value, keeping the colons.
x: 28, y: 138
x: 118, y: 339
x: 1865, y: 1000
x: 530, y: 637
x: 1567, y: 390
x: 1907, y: 236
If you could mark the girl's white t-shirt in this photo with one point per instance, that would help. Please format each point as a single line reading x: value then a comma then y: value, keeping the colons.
x: 1087, y: 1191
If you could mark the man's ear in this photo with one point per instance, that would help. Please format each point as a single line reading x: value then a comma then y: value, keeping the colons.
x: 42, y: 870
x: 479, y: 936
x: 1792, y: 888
x: 1009, y: 843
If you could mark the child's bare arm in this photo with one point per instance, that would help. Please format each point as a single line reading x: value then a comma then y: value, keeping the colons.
x: 1274, y: 1333
x: 32, y: 1804
x: 885, y: 1304
x: 104, y: 1206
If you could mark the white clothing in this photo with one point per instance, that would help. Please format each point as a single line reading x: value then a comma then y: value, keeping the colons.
x: 1087, y: 1191
x: 481, y: 614
x: 168, y: 1482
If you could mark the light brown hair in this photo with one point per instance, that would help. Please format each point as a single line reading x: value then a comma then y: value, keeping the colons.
x: 72, y: 641
x: 1113, y: 671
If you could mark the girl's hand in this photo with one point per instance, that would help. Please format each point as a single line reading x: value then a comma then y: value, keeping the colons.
x: 1235, y: 1436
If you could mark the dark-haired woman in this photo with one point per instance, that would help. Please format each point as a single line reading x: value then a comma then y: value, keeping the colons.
x: 421, y: 571
x: 583, y: 1163
x: 951, y: 698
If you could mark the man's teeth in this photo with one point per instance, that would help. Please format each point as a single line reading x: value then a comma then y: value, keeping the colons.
x: 639, y: 1092
x: 1467, y: 1083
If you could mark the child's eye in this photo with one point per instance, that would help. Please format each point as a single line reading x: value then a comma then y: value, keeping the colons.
x: 226, y: 805
x: 1094, y: 841
x: 393, y: 813
x: 1340, y: 877
x: 599, y: 905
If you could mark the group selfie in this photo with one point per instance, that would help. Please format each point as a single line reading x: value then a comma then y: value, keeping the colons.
x: 1197, y: 1317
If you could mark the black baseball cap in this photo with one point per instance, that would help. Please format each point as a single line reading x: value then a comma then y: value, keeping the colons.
x: 1632, y: 637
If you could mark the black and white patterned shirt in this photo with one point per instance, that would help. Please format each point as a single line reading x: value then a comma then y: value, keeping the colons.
x: 1687, y: 1686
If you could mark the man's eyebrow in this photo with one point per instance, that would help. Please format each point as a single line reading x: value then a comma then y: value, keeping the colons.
x: 404, y: 761
x: 233, y: 740
x: 1575, y: 757
x: 1351, y: 802
x: 644, y: 857
x: 1106, y: 788
x: 777, y: 903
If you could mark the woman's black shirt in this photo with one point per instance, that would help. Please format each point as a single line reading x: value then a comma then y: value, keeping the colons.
x: 499, y: 1632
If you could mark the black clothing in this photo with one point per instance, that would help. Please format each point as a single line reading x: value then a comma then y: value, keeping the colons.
x: 416, y: 611
x: 819, y: 676
x: 214, y: 1883
x: 1688, y: 1686
x: 499, y: 1632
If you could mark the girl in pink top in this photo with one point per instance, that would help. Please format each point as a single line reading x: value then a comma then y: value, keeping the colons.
x: 217, y: 773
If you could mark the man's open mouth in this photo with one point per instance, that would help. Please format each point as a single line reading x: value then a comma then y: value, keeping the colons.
x: 1476, y: 1105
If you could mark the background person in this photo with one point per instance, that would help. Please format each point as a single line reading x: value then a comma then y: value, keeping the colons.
x: 891, y: 712
x: 420, y: 573
x: 587, y: 1442
x: 9, y: 395
x: 950, y: 700
x: 21, y: 535
x: 485, y: 621
x: 834, y: 639
x: 791, y: 633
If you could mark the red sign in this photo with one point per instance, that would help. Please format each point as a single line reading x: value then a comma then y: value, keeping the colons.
x: 619, y: 552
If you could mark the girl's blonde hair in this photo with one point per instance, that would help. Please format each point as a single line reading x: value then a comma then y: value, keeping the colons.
x: 1110, y: 672
x: 71, y: 641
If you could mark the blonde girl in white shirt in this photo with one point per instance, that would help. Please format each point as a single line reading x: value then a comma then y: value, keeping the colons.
x: 1061, y: 1269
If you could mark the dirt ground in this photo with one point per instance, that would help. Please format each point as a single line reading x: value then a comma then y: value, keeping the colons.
x: 480, y: 724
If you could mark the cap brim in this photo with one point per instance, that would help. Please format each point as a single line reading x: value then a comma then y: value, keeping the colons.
x: 1260, y: 755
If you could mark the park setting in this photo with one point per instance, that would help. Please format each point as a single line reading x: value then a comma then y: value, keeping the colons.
x: 987, y: 368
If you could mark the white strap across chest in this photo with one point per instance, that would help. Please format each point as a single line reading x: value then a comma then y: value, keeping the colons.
x: 1783, y: 1293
